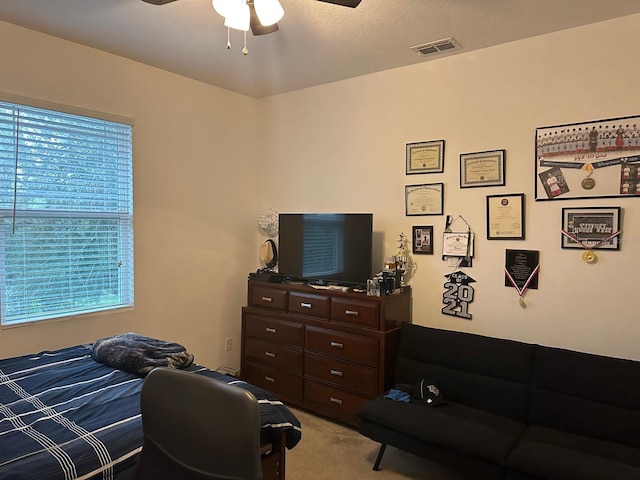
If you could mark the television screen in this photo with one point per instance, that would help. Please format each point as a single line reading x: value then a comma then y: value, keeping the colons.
x: 326, y: 247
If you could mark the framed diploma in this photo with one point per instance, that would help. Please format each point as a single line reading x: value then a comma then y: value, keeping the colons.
x: 505, y: 217
x: 457, y: 244
x: 425, y: 199
x: 423, y: 239
x: 425, y: 157
x: 482, y: 169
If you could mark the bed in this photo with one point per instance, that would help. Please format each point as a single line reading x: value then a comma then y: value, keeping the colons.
x: 64, y: 415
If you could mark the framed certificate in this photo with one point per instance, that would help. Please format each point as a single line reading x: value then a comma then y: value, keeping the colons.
x: 482, y: 169
x: 425, y: 199
x: 505, y: 217
x: 425, y: 157
x: 457, y: 244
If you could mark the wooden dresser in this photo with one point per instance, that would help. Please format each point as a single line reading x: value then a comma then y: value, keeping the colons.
x: 327, y: 351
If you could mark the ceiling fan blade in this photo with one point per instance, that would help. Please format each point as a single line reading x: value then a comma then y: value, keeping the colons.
x: 256, y: 27
x: 344, y: 3
x: 158, y: 2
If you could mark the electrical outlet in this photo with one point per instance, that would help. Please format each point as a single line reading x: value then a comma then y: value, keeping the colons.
x: 227, y: 344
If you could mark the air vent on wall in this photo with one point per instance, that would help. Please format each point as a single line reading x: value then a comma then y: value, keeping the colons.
x: 438, y: 46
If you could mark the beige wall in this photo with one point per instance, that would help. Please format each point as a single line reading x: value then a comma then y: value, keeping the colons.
x: 342, y: 147
x: 193, y: 226
x: 198, y: 185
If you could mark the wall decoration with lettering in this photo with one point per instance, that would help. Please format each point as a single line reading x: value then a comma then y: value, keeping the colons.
x: 458, y: 294
x: 521, y: 269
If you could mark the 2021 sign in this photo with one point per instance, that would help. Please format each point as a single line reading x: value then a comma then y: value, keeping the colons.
x: 458, y: 295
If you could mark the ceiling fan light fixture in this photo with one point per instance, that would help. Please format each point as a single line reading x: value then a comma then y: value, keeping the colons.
x: 268, y: 11
x: 238, y: 16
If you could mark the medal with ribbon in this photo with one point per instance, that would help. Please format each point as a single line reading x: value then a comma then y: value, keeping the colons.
x: 588, y: 255
x: 521, y: 270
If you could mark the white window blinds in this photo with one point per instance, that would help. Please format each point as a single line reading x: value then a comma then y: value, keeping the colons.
x: 323, y: 240
x: 66, y: 239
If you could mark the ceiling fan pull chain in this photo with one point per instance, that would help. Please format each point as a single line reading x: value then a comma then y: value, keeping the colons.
x: 228, y: 39
x: 245, y: 50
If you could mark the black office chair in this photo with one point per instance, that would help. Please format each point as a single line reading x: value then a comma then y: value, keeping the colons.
x: 197, y: 428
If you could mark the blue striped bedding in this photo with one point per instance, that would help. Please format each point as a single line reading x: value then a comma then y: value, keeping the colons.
x: 65, y: 416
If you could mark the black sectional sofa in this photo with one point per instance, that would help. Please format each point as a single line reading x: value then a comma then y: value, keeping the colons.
x: 512, y: 410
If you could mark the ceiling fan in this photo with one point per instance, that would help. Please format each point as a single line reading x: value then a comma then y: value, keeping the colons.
x: 256, y: 27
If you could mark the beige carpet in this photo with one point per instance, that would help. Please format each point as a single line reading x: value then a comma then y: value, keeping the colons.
x: 334, y: 452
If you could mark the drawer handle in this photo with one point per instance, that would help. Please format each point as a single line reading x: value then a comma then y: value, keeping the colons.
x: 335, y: 400
x: 337, y: 373
x: 351, y: 312
x: 337, y: 345
x: 270, y: 330
x: 305, y: 305
x: 269, y: 354
x: 270, y: 379
x: 267, y: 299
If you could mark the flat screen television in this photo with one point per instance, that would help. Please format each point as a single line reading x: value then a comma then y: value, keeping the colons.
x: 326, y: 248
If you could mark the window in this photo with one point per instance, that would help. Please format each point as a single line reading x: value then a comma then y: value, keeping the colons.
x: 323, y: 245
x: 66, y: 239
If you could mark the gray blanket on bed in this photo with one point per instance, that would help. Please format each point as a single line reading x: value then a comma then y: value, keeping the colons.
x: 139, y: 354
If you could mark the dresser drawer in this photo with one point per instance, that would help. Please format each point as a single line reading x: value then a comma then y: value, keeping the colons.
x: 346, y: 346
x: 274, y: 330
x: 333, y: 398
x: 275, y: 355
x: 268, y: 298
x: 273, y: 380
x: 363, y: 314
x: 309, y: 304
x: 344, y: 374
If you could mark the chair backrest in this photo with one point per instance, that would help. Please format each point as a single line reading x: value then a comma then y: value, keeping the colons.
x: 196, y: 427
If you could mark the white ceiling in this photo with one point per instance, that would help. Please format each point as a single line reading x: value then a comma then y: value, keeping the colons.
x: 317, y: 42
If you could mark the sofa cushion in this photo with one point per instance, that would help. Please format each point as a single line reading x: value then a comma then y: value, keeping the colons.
x: 551, y: 454
x: 487, y: 373
x: 586, y: 394
x: 455, y: 426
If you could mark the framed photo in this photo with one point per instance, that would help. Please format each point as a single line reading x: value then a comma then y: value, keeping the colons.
x: 425, y: 157
x: 482, y: 169
x: 594, y: 159
x: 423, y: 240
x: 425, y: 199
x: 505, y: 217
x: 591, y: 228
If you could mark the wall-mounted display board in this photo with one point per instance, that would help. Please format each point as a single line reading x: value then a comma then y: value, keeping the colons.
x: 589, y: 228
x: 588, y: 159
